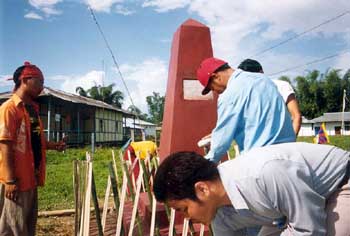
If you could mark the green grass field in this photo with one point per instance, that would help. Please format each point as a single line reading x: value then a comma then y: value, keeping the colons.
x: 58, y: 191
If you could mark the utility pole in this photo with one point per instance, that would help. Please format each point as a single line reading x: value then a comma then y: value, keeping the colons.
x: 342, y: 120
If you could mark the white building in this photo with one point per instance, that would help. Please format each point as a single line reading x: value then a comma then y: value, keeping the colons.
x: 139, y: 129
x: 333, y: 123
x: 306, y: 128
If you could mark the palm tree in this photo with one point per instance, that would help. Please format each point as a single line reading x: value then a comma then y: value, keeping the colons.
x: 81, y: 91
x: 136, y: 111
x: 103, y: 93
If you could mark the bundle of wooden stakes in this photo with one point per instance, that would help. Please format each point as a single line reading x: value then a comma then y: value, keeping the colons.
x: 126, y: 196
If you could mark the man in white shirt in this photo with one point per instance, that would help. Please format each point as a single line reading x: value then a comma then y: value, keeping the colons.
x: 284, y: 88
x: 288, y: 189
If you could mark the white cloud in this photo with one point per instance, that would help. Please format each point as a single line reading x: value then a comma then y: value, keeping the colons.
x: 102, y: 5
x: 51, y: 11
x: 143, y: 79
x: 33, y: 15
x: 166, y: 5
x: 46, y: 6
x: 123, y: 10
x: 241, y: 28
x: 6, y: 84
x: 70, y: 83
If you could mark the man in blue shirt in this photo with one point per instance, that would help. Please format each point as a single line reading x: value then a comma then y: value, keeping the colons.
x: 250, y: 109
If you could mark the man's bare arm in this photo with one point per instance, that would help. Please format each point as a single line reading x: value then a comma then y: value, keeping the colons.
x: 293, y: 108
x: 6, y: 148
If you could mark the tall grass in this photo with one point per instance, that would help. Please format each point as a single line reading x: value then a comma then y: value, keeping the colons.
x: 58, y: 190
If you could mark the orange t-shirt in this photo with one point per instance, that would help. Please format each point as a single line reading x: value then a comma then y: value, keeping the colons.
x: 15, y: 127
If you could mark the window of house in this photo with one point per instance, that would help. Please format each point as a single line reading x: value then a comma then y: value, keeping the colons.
x: 101, y: 125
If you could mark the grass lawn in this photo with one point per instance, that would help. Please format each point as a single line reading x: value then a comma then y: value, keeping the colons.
x: 58, y: 191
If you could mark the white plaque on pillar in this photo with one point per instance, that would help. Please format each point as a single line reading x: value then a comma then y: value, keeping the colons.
x: 192, y: 90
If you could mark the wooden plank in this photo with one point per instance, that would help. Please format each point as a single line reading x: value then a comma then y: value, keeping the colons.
x: 136, y: 201
x: 172, y: 222
x: 121, y: 206
x: 153, y: 216
x: 105, y: 203
x: 97, y: 208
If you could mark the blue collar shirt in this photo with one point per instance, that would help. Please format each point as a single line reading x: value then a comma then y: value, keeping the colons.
x: 252, y: 112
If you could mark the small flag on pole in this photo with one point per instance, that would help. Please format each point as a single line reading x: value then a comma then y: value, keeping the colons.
x: 322, y: 135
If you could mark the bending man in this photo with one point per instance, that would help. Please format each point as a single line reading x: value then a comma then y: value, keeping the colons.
x: 250, y: 109
x: 288, y: 189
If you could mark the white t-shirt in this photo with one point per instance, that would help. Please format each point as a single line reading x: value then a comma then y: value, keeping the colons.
x: 284, y: 88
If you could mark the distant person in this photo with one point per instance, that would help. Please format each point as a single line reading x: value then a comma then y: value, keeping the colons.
x: 284, y: 88
x: 288, y: 189
x: 141, y: 149
x: 22, y: 153
x: 247, y: 109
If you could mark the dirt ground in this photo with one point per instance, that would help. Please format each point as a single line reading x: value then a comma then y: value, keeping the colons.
x: 55, y: 226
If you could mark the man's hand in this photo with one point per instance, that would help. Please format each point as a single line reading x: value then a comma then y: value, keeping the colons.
x: 207, y: 136
x: 205, y: 141
x: 11, y: 191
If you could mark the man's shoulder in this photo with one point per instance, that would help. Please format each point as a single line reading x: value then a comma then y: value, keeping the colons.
x: 283, y: 85
x: 11, y: 106
x: 8, y: 104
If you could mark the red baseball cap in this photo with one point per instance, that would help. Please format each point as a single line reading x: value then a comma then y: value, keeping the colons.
x: 206, y: 68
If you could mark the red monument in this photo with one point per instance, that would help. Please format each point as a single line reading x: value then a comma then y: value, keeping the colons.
x: 188, y: 115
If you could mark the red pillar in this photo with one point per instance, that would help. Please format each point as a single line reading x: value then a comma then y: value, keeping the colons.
x: 188, y: 115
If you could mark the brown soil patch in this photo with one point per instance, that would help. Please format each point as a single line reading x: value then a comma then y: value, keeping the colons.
x: 55, y: 226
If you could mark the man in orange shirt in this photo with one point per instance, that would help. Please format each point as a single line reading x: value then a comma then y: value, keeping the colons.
x: 22, y: 153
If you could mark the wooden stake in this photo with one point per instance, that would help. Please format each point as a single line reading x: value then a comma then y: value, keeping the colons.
x: 105, y: 204
x: 153, y: 216
x: 76, y: 196
x: 97, y: 208
x: 132, y: 195
x: 86, y: 224
x: 185, y: 227
x: 201, y: 231
x: 172, y: 222
x: 121, y: 206
x: 136, y: 201
x: 114, y: 183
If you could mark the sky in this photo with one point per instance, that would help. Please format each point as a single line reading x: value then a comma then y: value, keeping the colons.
x: 61, y: 38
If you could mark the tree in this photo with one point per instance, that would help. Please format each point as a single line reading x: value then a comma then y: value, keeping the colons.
x: 333, y: 92
x: 309, y: 94
x: 103, y: 93
x: 135, y: 110
x: 81, y: 91
x: 155, y: 105
x: 346, y: 86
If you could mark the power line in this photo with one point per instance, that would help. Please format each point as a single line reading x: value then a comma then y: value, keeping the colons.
x: 298, y: 35
x: 310, y: 62
x: 112, y: 54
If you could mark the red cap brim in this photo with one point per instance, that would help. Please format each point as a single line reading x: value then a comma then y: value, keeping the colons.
x: 205, y: 91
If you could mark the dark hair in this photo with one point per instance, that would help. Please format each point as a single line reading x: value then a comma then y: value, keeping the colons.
x: 222, y: 68
x: 179, y: 172
x: 16, y: 77
x: 250, y: 65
